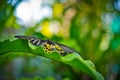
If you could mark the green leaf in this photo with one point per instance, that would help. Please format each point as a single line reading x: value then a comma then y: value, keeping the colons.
x: 74, y: 60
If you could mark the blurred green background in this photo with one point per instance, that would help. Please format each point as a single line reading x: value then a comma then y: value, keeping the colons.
x: 89, y: 26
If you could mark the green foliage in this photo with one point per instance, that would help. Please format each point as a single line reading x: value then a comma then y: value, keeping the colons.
x: 89, y: 26
x: 74, y: 59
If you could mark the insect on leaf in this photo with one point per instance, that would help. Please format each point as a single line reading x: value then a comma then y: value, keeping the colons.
x: 48, y: 45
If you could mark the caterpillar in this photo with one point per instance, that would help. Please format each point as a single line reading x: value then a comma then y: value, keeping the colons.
x: 48, y: 45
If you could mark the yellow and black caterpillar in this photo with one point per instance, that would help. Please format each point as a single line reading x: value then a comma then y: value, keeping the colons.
x: 48, y: 45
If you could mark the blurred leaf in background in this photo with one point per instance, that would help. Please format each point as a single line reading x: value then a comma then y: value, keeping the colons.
x: 91, y: 27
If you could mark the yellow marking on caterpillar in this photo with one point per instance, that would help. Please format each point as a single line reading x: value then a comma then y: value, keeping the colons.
x: 48, y: 48
x: 57, y: 47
